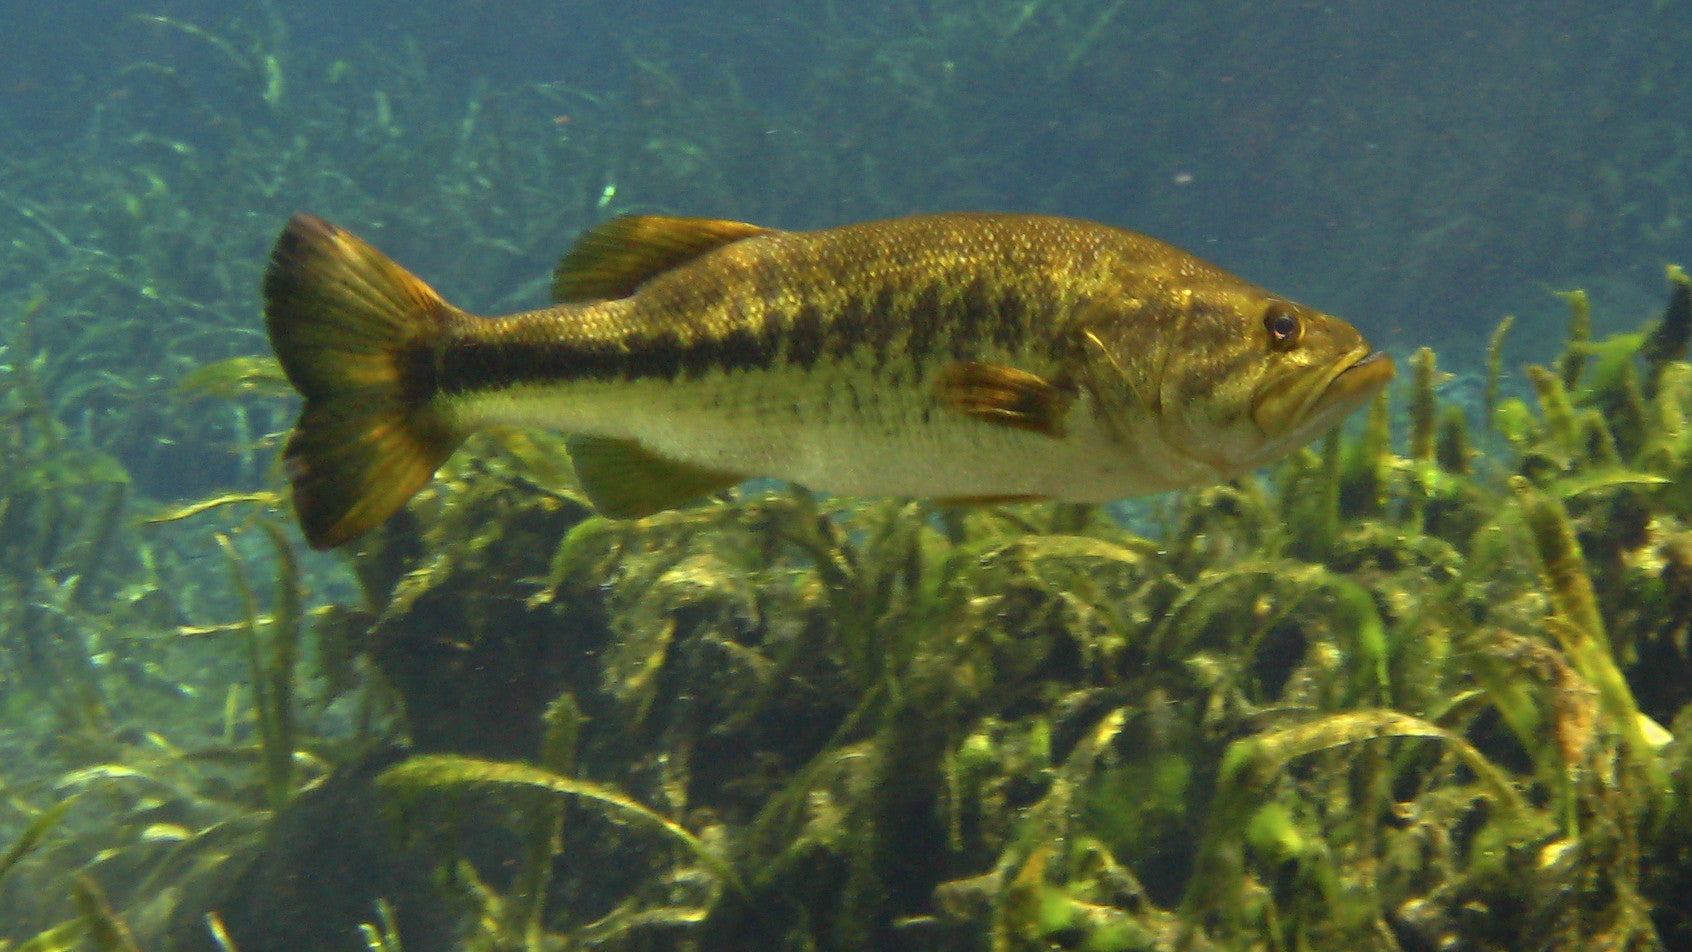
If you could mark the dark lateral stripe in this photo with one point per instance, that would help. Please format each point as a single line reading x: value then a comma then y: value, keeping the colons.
x: 914, y: 325
x: 485, y: 366
x: 855, y: 326
x: 806, y: 336
x: 927, y: 321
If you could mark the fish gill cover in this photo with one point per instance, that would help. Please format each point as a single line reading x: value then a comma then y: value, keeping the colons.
x: 1422, y: 686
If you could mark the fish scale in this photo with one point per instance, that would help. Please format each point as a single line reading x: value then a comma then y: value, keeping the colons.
x: 959, y: 357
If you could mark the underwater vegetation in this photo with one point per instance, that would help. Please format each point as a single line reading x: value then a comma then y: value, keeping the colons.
x: 1420, y: 693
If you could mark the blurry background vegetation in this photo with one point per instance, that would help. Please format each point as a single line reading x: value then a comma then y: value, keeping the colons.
x: 1418, y: 168
x: 1422, y: 169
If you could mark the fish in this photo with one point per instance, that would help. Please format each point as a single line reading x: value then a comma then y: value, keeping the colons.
x: 961, y: 357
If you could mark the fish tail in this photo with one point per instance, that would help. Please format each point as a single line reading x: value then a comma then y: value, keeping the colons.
x: 357, y: 336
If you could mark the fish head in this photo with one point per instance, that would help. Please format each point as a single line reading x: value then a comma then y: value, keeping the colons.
x: 1241, y: 377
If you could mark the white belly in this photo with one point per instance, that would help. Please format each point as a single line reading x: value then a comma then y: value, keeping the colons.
x: 851, y: 438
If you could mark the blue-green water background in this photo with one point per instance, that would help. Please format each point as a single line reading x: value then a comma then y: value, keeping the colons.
x: 1419, y: 168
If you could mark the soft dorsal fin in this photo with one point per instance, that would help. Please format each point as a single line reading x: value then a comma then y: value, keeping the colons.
x: 615, y: 258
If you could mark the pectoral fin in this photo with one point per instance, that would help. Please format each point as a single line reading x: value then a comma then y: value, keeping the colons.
x: 994, y: 393
x: 624, y: 480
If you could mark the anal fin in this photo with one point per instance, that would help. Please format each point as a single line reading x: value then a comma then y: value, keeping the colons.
x: 624, y: 480
x: 1002, y: 499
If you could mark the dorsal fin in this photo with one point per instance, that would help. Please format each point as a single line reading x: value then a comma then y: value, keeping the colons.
x: 615, y: 258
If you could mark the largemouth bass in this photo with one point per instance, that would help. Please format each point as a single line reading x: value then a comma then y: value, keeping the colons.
x: 965, y: 357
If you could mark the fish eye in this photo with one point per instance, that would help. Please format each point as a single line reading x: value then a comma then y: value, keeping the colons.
x: 1283, y: 326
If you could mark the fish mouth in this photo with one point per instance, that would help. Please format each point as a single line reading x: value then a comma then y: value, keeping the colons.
x: 1363, y: 377
x: 1355, y: 381
x: 1298, y: 412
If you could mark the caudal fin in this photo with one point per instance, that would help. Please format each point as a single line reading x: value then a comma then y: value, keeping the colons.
x: 356, y: 334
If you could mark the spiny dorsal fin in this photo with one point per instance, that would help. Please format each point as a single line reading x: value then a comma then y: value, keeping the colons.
x: 624, y: 480
x: 1006, y: 396
x: 615, y: 258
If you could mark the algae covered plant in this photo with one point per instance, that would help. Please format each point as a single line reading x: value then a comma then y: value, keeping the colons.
x: 1387, y: 699
x: 1424, y: 685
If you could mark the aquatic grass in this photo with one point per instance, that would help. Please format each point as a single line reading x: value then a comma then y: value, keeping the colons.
x: 1579, y: 628
x: 94, y: 616
x: 271, y: 659
x: 545, y: 837
x: 1250, y: 767
x: 162, y: 822
x: 382, y: 935
x: 431, y: 774
x: 106, y: 930
x: 33, y: 834
x: 62, y: 508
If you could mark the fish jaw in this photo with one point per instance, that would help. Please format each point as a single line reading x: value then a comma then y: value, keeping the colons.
x: 1296, y: 415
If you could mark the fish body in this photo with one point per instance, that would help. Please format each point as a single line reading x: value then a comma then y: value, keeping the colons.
x: 957, y: 356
